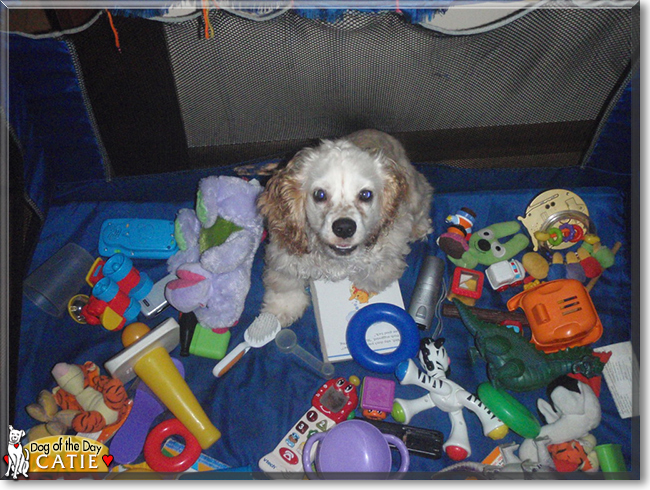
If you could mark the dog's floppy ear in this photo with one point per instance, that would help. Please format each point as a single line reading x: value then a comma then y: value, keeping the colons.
x: 394, y: 193
x: 282, y: 203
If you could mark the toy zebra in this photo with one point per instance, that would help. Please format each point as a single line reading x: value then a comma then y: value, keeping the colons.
x: 444, y: 394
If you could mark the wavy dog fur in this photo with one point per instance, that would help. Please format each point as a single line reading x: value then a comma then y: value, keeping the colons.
x: 347, y: 208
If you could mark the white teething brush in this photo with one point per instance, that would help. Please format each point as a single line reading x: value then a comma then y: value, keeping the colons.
x: 259, y: 333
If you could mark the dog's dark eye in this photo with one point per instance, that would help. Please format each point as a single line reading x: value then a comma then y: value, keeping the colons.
x: 365, y: 196
x: 320, y: 195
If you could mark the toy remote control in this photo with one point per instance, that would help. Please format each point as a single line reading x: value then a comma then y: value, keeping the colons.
x: 331, y: 404
x: 418, y: 440
x: 138, y: 238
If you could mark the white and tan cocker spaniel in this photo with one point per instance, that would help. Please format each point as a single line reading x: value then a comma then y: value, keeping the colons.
x: 347, y: 208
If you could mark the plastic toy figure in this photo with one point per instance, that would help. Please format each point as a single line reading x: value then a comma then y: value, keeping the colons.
x: 515, y: 364
x: 485, y: 248
x: 444, y: 394
x: 454, y: 241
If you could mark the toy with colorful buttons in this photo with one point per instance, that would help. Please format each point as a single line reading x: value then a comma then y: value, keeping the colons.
x: 333, y: 403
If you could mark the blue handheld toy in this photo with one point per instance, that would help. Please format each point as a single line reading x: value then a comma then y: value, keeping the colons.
x: 382, y: 312
x: 138, y: 237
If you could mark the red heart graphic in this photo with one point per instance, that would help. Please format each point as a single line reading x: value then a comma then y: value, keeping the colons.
x: 16, y: 445
x: 108, y: 459
x: 6, y: 458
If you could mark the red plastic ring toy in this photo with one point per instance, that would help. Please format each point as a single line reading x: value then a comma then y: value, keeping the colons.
x: 153, y: 455
x: 579, y: 233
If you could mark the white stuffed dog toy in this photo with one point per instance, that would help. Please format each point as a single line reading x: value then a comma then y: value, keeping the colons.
x: 573, y: 411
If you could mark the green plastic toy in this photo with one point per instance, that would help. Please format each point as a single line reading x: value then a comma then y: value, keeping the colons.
x: 485, y: 248
x: 515, y: 364
x: 511, y: 412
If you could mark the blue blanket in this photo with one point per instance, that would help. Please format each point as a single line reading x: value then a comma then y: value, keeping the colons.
x: 256, y: 403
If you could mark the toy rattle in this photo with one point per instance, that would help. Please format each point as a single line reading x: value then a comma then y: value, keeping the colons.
x: 146, y: 355
x: 556, y: 219
x: 444, y: 394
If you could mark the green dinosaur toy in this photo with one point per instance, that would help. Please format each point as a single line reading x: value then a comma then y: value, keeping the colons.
x: 485, y: 248
x: 515, y: 364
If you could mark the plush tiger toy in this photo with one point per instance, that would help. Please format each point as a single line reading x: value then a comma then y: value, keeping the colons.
x: 101, y: 400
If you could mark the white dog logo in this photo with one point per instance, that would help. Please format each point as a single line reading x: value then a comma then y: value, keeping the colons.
x: 18, y: 457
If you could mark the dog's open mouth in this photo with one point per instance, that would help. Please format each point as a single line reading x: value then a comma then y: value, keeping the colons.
x: 343, y: 250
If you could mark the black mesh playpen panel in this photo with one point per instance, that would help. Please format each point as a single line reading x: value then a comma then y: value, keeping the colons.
x: 529, y: 93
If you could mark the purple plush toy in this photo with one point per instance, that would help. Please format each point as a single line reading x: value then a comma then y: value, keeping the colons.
x: 217, y: 245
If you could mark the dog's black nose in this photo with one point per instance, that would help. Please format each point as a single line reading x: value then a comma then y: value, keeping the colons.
x: 344, y: 227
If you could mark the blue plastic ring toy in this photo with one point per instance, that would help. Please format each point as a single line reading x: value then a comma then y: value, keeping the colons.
x: 382, y: 312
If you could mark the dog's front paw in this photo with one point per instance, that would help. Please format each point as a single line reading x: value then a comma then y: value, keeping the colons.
x: 371, y: 286
x: 380, y: 278
x: 287, y: 306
